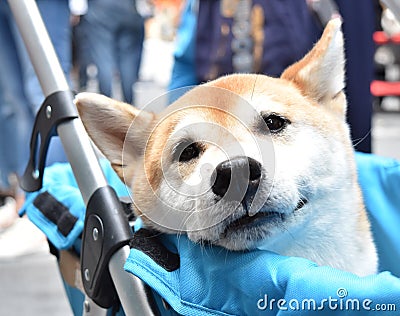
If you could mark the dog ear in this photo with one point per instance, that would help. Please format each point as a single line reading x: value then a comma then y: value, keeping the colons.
x: 108, y: 121
x: 320, y: 74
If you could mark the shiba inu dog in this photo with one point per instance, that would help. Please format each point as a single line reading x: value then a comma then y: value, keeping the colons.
x: 248, y: 161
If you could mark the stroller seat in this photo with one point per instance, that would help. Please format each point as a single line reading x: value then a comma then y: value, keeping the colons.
x: 190, y: 279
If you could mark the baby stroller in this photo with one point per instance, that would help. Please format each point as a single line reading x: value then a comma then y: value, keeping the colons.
x: 77, y: 206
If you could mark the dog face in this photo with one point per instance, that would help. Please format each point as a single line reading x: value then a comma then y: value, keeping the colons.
x: 243, y: 159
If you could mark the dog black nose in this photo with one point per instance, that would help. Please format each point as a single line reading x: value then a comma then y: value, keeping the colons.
x: 238, y: 175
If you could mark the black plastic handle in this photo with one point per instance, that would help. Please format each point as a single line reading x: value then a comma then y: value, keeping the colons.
x: 56, y: 108
x: 106, y: 230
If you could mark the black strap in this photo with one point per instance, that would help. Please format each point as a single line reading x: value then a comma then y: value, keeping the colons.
x: 128, y: 210
x: 56, y: 212
x: 147, y: 242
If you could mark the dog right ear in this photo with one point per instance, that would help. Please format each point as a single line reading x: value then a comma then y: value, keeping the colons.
x: 108, y: 121
x: 320, y: 74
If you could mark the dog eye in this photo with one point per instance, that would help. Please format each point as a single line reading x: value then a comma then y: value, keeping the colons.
x: 275, y: 123
x: 190, y: 152
x: 185, y: 152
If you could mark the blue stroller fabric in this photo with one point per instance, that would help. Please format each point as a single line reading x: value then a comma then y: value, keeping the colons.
x: 213, y: 281
x: 380, y: 181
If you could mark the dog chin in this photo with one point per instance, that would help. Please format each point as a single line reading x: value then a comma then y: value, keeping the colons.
x: 246, y: 232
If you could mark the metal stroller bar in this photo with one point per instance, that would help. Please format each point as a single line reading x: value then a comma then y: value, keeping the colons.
x: 86, y: 168
x: 51, y: 77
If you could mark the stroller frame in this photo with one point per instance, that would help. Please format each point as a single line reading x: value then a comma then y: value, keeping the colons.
x: 102, y: 272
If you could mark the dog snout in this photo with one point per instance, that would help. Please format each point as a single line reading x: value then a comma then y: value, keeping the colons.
x: 235, y: 177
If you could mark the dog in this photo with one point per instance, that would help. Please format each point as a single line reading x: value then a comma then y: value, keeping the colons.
x: 248, y: 161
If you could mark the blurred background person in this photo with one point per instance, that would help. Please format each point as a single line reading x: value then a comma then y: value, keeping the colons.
x: 113, y: 35
x: 56, y: 16
x: 80, y: 46
x: 221, y: 37
x: 358, y: 26
x: 20, y: 92
x: 14, y: 118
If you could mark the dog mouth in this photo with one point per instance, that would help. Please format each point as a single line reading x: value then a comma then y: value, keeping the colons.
x: 247, y: 221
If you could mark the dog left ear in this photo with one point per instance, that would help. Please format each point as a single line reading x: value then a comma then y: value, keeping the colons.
x: 320, y: 74
x: 118, y: 129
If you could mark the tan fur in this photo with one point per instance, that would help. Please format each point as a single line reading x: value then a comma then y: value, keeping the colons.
x: 311, y: 158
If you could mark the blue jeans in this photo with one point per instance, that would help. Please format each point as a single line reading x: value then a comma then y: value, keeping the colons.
x: 115, y: 33
x: 82, y: 53
x: 56, y: 16
x: 15, y: 116
x: 20, y: 91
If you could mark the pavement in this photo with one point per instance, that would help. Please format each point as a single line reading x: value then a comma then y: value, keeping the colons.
x: 30, y: 282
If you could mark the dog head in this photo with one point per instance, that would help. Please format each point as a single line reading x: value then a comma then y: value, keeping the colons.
x: 237, y: 160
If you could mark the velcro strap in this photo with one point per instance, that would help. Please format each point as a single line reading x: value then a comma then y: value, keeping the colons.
x: 128, y: 210
x: 56, y: 212
x: 147, y: 242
